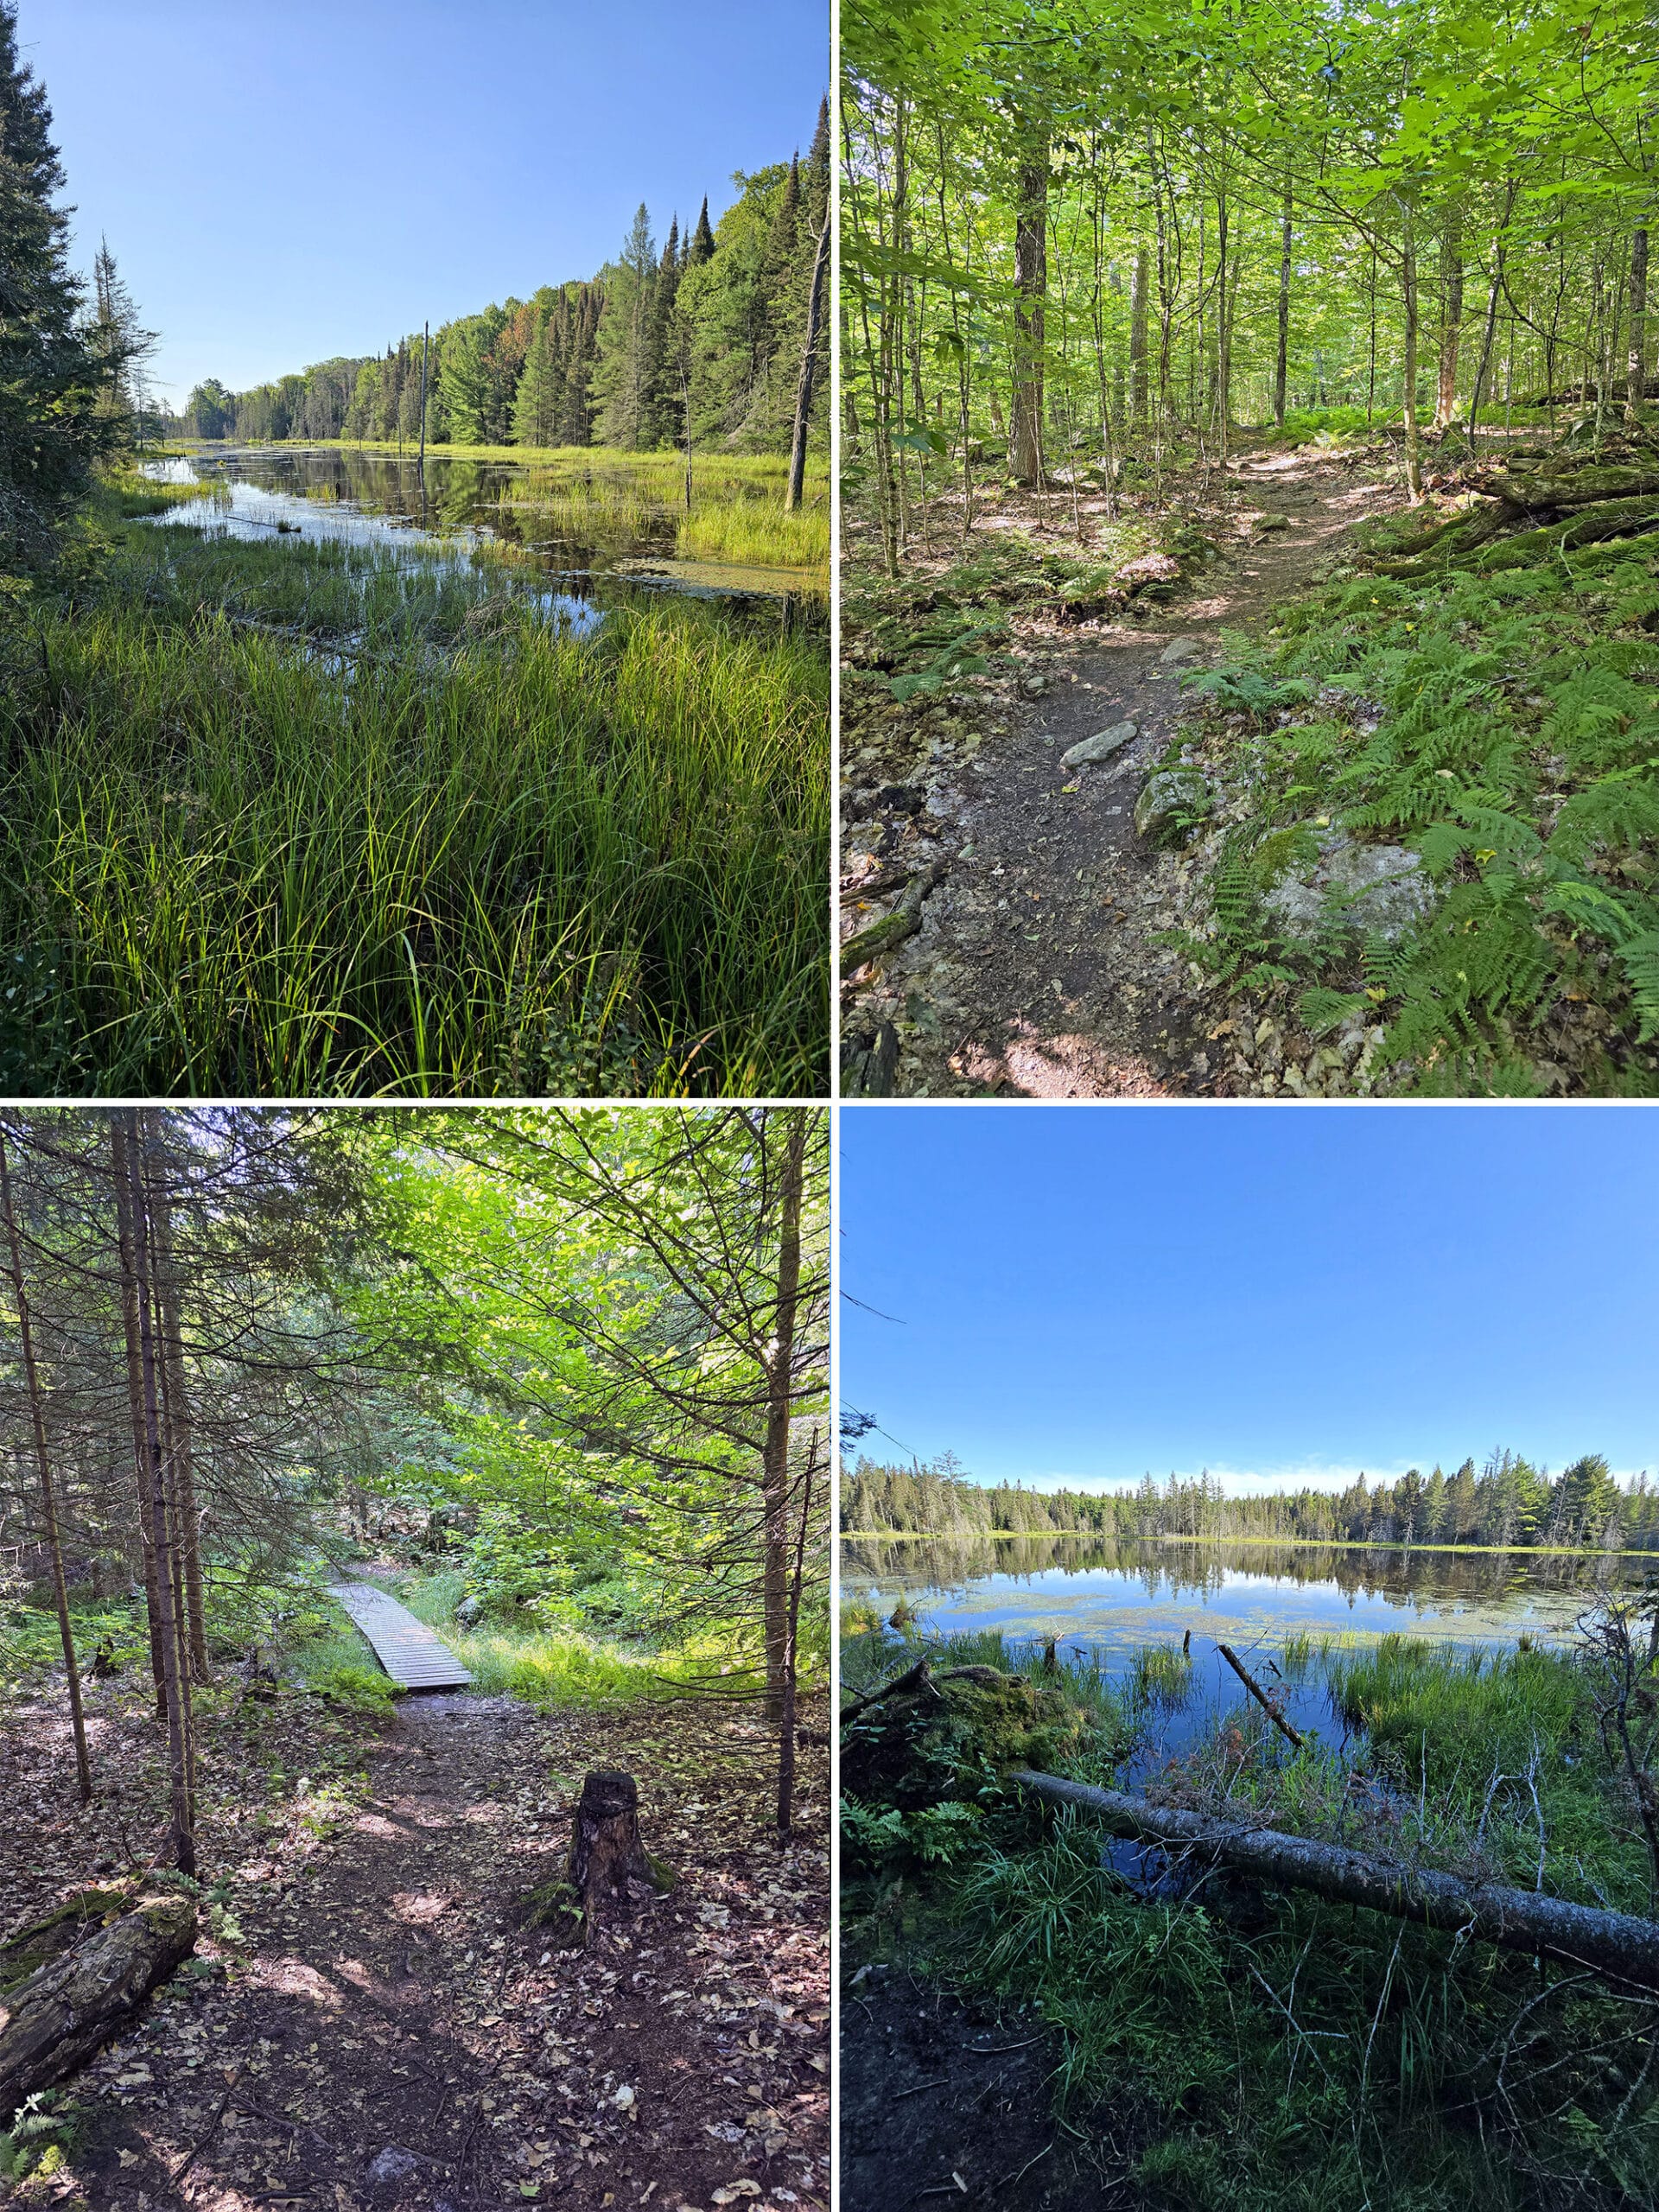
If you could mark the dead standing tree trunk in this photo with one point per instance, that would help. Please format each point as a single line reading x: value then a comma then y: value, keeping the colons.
x: 780, y: 1396
x: 606, y: 1854
x: 43, y: 1460
x: 808, y: 363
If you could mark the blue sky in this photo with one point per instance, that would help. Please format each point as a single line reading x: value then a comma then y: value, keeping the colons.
x: 284, y: 180
x: 1282, y: 1294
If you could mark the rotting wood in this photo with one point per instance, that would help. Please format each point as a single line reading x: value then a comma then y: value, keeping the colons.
x: 1258, y: 1695
x: 52, y: 2023
x: 893, y: 929
x: 607, y: 1852
x: 1615, y: 1944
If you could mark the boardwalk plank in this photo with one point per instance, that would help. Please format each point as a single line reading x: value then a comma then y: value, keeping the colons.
x: 411, y: 1654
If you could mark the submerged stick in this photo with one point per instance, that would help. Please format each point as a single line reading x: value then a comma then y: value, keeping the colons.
x: 1258, y: 1695
x: 1615, y: 1944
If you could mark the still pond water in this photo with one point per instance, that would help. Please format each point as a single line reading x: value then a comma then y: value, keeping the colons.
x: 1104, y: 1602
x: 444, y: 513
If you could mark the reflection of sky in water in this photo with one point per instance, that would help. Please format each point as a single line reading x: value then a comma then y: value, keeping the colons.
x: 230, y: 507
x: 1111, y: 1610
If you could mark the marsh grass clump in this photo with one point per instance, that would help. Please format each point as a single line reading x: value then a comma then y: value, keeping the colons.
x: 442, y: 857
x: 1161, y: 1676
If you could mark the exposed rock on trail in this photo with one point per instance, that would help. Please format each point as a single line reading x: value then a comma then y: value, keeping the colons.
x: 1031, y: 964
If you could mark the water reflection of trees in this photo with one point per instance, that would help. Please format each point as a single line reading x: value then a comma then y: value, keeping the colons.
x: 1176, y: 1570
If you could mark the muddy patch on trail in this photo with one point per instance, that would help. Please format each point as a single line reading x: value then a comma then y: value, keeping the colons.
x: 368, y: 2024
x: 1041, y: 964
x: 942, y: 2103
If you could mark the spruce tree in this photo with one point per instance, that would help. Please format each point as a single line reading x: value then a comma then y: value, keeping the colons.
x: 50, y: 429
x: 703, y: 239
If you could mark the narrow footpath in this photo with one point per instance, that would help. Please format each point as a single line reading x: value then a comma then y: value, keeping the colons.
x: 368, y: 2024
x: 1038, y: 971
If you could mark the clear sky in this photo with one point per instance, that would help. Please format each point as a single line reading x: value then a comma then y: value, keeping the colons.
x: 282, y: 181
x: 1278, y: 1293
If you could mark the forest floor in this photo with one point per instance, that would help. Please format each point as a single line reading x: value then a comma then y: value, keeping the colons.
x: 992, y: 2137
x: 1039, y: 970
x: 366, y: 2023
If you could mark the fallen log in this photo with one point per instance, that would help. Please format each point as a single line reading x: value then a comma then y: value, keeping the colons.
x: 1590, y: 525
x: 1570, y: 485
x: 1615, y: 1944
x: 893, y: 929
x: 53, y: 2019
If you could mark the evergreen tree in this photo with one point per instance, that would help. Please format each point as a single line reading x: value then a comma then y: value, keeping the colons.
x: 703, y: 239
x: 121, y: 347
x: 51, y: 381
x: 620, y: 385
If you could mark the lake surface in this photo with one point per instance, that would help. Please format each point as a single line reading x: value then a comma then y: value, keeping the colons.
x: 446, y: 513
x: 1105, y: 1602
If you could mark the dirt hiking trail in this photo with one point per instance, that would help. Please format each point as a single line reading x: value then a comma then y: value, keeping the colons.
x: 1036, y: 972
x: 367, y: 2024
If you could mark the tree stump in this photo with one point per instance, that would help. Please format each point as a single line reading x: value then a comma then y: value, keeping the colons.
x: 54, y: 2018
x: 606, y: 1854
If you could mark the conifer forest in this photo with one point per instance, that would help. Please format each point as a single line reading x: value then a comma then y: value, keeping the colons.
x: 364, y: 770
x: 1249, y: 431
x: 413, y: 1655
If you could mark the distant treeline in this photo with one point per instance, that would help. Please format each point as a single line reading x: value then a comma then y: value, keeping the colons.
x: 1506, y: 1502
x: 714, y: 324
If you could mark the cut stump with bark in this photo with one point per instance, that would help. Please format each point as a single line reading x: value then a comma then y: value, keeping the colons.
x: 95, y: 1977
x: 606, y: 1854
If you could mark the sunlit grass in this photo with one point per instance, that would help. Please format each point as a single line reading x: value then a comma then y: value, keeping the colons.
x: 476, y: 855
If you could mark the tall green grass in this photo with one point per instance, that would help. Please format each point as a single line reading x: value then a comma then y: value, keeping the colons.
x: 467, y: 852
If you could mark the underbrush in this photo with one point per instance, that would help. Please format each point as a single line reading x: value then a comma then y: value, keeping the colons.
x: 460, y: 851
x: 1300, y: 2054
x: 1501, y: 729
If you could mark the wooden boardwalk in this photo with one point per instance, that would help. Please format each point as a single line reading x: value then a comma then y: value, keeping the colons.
x: 411, y: 1653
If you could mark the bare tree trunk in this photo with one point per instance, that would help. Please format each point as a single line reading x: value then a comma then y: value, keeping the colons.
x: 135, y: 1407
x: 1031, y: 279
x: 182, y: 1483
x: 1409, y: 389
x: 1281, y: 362
x: 780, y: 1404
x: 808, y: 363
x: 1451, y: 316
x: 1139, y: 282
x: 126, y: 1142
x: 43, y: 1465
x: 1637, y: 386
x: 1614, y: 1943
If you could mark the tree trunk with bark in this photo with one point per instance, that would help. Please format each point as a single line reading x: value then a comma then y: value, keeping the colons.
x: 1031, y: 279
x: 1408, y: 383
x: 1612, y: 1943
x: 1637, y: 364
x: 1282, y: 359
x: 53, y: 2020
x: 809, y: 364
x: 1140, y: 281
x: 182, y: 1483
x: 43, y: 1468
x: 127, y: 1142
x: 1451, y: 317
x: 780, y: 1406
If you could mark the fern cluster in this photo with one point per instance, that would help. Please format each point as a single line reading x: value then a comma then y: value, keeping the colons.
x: 1504, y: 727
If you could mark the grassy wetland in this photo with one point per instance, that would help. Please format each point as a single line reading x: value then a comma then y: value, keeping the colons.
x: 1204, y: 2040
x: 294, y: 814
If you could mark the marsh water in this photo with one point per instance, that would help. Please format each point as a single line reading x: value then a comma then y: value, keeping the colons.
x: 1103, y: 1603
x: 451, y: 509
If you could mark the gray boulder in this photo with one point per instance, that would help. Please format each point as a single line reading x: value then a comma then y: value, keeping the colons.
x: 469, y: 1612
x: 1101, y: 747
x: 1381, y: 888
x: 1179, y: 649
x: 1176, y: 791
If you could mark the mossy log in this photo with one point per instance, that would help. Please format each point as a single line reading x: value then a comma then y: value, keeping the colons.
x: 1488, y: 537
x: 893, y: 929
x: 1570, y: 485
x: 95, y: 1976
x: 1615, y: 1944
x: 1588, y: 526
x: 606, y: 1853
